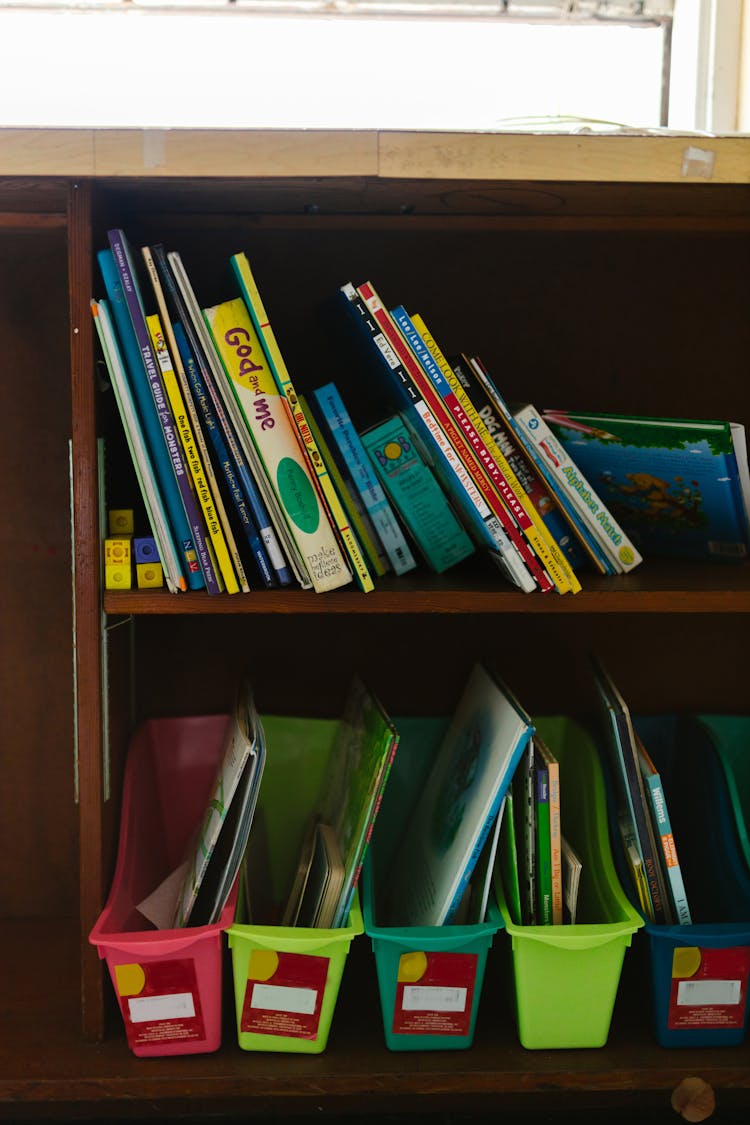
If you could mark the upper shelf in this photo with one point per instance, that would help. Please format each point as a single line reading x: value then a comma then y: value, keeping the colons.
x: 654, y: 158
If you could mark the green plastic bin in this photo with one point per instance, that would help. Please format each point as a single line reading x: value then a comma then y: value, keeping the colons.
x: 286, y: 979
x: 730, y: 735
x: 429, y: 977
x: 565, y: 978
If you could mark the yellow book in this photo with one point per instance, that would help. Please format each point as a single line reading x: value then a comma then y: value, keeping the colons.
x: 216, y: 535
x: 537, y: 533
x: 299, y: 416
x: 266, y: 417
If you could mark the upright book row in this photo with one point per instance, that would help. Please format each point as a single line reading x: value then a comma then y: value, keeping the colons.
x: 247, y: 484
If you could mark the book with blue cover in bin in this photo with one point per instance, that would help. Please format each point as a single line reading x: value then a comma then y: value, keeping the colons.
x: 415, y: 493
x: 678, y: 486
x: 459, y: 803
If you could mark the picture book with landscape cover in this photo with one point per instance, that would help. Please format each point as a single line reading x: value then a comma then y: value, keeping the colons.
x: 459, y: 803
x: 678, y: 486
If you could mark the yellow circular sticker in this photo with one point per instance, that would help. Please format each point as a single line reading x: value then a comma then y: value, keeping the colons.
x: 686, y: 962
x: 412, y: 966
x: 130, y: 979
x: 263, y: 964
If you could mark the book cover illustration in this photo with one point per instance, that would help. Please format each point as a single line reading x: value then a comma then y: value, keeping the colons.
x: 663, y: 829
x: 673, y: 483
x: 457, y: 807
x: 415, y: 493
x: 275, y: 438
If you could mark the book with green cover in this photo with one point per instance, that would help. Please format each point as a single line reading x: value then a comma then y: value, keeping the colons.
x: 543, y: 855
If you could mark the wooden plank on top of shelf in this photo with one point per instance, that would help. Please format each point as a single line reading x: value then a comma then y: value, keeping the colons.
x: 46, y: 152
x: 235, y: 152
x: 628, y: 158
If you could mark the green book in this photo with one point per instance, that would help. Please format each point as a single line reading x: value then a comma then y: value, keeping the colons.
x: 543, y: 843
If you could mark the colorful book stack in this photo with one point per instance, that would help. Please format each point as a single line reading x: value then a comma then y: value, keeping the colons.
x: 480, y: 455
x: 235, y: 491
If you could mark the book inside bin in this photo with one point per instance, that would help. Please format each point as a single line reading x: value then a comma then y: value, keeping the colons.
x: 286, y: 978
x: 167, y: 982
x: 700, y: 971
x: 429, y: 977
x: 565, y: 978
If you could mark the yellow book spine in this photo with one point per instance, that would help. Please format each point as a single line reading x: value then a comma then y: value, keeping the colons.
x: 174, y: 394
x: 537, y: 534
x: 297, y: 413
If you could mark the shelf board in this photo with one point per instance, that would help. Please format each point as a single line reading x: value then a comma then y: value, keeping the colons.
x: 655, y: 587
x: 47, y: 1069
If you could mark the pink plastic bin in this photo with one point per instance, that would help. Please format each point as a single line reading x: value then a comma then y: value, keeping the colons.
x: 167, y: 982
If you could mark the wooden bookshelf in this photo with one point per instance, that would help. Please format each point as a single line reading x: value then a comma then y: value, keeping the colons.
x: 599, y: 272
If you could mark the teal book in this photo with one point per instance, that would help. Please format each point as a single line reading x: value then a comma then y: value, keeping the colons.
x: 416, y: 495
x: 663, y: 831
x: 678, y: 486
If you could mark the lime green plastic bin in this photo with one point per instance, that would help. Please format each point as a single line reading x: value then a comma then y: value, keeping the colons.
x: 286, y: 979
x: 429, y: 977
x: 565, y: 978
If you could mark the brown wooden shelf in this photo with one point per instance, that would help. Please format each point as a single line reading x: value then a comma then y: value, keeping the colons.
x: 656, y: 587
x: 47, y: 1069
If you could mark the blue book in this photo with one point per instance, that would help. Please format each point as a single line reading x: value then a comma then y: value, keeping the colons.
x: 134, y: 302
x: 663, y: 832
x: 209, y: 400
x: 416, y: 494
x: 674, y: 484
x: 346, y: 444
x: 152, y: 429
x: 222, y: 459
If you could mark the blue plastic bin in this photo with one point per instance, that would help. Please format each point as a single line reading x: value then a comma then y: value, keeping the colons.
x: 429, y: 977
x: 699, y: 971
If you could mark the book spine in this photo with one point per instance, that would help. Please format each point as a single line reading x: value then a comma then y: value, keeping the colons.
x: 224, y: 461
x: 164, y: 473
x: 502, y: 433
x: 186, y: 397
x: 597, y: 517
x: 531, y: 520
x: 416, y: 495
x: 453, y: 474
x: 577, y: 525
x: 496, y: 468
x: 444, y: 417
x: 330, y: 498
x: 220, y: 429
x: 164, y: 414
x: 155, y: 513
x: 555, y: 841
x: 345, y: 438
x: 543, y: 847
x: 267, y: 421
x: 192, y: 457
x: 360, y: 522
x: 663, y: 829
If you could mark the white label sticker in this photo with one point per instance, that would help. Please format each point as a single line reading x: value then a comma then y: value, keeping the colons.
x: 702, y: 992
x: 279, y: 998
x: 148, y: 1009
x: 427, y: 998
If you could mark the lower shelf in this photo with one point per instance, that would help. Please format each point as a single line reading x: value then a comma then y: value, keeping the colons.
x: 47, y: 1070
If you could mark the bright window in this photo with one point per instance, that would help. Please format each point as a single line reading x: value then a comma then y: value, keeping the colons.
x: 236, y: 65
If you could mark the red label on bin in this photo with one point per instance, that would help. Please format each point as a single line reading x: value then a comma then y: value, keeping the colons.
x: 284, y: 994
x: 159, y: 1002
x: 434, y: 993
x: 709, y: 988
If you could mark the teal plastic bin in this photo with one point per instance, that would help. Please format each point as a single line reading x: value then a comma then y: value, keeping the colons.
x: 730, y: 737
x: 429, y: 977
x: 699, y: 972
x: 286, y: 978
x: 565, y: 978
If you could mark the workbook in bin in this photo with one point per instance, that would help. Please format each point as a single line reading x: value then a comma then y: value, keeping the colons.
x: 321, y: 792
